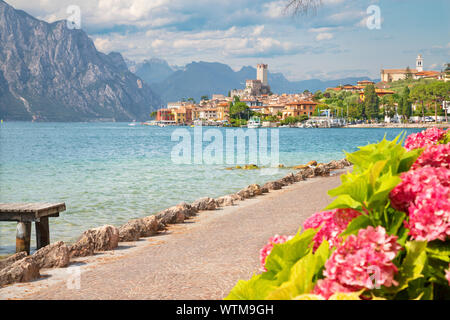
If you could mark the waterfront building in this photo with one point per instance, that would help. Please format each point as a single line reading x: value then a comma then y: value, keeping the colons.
x: 298, y: 108
x: 223, y: 111
x: 365, y: 83
x: 179, y: 115
x: 273, y: 109
x: 262, y: 71
x: 380, y: 93
x: 255, y: 87
x: 208, y: 114
x: 252, y: 102
x: 164, y: 115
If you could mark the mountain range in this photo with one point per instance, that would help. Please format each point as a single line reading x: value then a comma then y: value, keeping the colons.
x: 49, y: 72
x: 206, y: 78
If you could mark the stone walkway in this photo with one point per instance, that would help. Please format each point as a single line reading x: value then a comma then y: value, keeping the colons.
x: 201, y: 259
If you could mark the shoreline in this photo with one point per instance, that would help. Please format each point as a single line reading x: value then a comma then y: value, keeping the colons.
x: 399, y: 126
x: 130, y: 250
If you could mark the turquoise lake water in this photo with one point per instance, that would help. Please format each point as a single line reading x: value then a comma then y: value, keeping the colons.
x: 108, y: 173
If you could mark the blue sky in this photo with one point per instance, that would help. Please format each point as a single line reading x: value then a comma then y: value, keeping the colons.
x: 332, y: 43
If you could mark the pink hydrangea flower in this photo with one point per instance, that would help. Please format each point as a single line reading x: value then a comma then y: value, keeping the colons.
x: 331, y: 224
x: 434, y: 156
x: 447, y: 274
x: 415, y: 182
x: 265, y: 251
x: 424, y: 139
x: 429, y: 215
x: 359, y: 261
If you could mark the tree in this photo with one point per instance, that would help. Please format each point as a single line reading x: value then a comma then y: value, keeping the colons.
x: 240, y: 110
x: 351, y: 104
x: 293, y: 120
x: 204, y: 98
x: 371, y: 102
x: 303, y: 6
x: 317, y: 95
x: 405, y: 104
x: 153, y: 114
x: 408, y: 75
x: 388, y: 102
x: 419, y: 95
x: 439, y: 91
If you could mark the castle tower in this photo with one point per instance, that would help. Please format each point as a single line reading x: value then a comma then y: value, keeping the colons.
x: 419, y: 63
x: 261, y: 73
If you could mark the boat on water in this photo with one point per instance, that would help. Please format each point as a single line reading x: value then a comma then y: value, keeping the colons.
x: 254, y: 123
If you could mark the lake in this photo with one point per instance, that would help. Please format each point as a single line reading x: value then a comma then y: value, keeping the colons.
x: 109, y: 173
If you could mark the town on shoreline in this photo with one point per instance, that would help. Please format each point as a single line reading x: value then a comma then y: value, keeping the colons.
x: 403, y: 98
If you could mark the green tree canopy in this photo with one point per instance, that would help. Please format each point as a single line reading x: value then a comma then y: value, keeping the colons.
x: 240, y: 110
x: 405, y: 103
x: 371, y: 102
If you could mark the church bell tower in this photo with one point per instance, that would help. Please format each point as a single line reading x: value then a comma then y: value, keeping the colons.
x: 419, y: 63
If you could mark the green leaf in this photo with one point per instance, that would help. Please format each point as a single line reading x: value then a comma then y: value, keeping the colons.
x: 256, y: 288
x: 361, y: 222
x: 355, y: 187
x: 303, y: 275
x: 413, y: 264
x: 417, y: 289
x: 375, y: 172
x: 344, y: 201
x: 396, y: 222
x: 407, y: 160
x: 439, y: 250
x: 284, y: 256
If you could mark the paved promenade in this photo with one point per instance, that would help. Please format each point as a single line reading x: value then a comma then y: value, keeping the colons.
x: 201, y: 259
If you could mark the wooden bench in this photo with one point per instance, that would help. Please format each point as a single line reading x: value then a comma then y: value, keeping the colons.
x: 25, y: 214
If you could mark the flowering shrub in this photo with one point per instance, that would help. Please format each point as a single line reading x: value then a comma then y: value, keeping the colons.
x: 424, y: 139
x: 331, y: 223
x: 434, y: 156
x: 351, y: 264
x: 417, y: 182
x: 429, y: 215
x: 265, y: 251
x: 386, y: 235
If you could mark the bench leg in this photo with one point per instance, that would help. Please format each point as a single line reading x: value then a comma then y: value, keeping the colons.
x: 23, y: 235
x: 42, y: 233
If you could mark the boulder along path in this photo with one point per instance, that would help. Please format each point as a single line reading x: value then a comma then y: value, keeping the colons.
x: 202, y: 258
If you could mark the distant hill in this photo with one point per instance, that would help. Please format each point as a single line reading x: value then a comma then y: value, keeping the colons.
x: 206, y: 78
x: 153, y: 70
x: 51, y: 73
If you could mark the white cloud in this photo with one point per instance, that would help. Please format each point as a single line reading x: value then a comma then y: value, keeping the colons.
x: 258, y: 30
x: 239, y: 33
x: 324, y: 36
x: 275, y: 9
